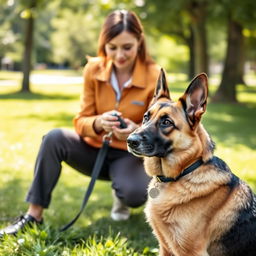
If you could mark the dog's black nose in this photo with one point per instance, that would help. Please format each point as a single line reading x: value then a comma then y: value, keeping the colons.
x: 133, y: 141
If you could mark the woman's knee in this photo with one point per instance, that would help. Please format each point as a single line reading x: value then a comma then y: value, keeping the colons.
x: 54, y: 140
x: 53, y: 136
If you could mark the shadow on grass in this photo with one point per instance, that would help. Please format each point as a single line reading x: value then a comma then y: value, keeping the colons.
x: 95, y: 219
x: 36, y: 96
x: 232, y: 124
x: 135, y: 230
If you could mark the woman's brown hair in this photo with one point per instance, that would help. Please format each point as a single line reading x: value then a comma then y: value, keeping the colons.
x: 117, y: 22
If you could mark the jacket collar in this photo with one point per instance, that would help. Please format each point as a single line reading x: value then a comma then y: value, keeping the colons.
x: 138, y: 76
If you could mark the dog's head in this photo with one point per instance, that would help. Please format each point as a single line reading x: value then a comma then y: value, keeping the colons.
x: 171, y: 128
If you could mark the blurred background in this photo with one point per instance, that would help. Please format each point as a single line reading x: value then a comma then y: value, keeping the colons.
x: 43, y: 48
x: 186, y: 36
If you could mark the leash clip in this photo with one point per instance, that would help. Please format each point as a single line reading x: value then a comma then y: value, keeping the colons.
x: 158, y: 179
x: 108, y: 137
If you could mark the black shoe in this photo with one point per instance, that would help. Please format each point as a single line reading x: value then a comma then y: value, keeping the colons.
x: 19, y: 224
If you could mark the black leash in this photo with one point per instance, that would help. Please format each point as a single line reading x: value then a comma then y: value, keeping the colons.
x: 95, y: 173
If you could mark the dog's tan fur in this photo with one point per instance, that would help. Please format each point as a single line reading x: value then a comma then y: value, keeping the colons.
x: 191, y: 215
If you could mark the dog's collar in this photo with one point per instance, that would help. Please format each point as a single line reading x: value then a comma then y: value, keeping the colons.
x: 186, y: 171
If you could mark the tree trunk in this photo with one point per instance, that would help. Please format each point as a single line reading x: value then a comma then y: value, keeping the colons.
x: 190, y: 43
x: 198, y: 17
x: 28, y: 48
x: 241, y: 64
x: 227, y: 88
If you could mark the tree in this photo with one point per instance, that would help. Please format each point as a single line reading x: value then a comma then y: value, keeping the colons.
x: 198, y: 12
x: 29, y: 12
x: 28, y: 44
x: 227, y: 88
x: 186, y: 20
x: 67, y: 31
x: 239, y: 15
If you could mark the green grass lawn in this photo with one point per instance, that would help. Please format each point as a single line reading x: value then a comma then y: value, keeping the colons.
x: 25, y: 118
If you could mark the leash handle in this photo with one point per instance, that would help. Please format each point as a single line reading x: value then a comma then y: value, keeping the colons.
x: 95, y: 173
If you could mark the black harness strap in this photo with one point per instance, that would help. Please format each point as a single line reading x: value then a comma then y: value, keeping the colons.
x: 95, y: 173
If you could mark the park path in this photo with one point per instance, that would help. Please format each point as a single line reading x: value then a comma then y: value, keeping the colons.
x: 47, y: 79
x: 62, y: 80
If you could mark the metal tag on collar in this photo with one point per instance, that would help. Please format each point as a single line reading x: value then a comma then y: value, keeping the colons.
x: 154, y: 191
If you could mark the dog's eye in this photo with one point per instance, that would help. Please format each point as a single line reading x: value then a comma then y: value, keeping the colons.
x: 166, y: 123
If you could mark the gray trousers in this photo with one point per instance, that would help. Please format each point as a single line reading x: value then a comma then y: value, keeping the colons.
x: 126, y: 171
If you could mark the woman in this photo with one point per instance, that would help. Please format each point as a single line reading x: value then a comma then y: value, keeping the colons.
x: 119, y: 81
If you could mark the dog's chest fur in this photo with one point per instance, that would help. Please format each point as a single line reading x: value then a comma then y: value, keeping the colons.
x: 176, y: 207
x: 181, y: 220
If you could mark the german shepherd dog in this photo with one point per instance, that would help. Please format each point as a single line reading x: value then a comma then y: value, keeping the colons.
x: 196, y: 205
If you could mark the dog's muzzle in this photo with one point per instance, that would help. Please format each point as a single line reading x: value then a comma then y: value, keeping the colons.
x: 133, y: 141
x: 143, y: 144
x: 138, y: 145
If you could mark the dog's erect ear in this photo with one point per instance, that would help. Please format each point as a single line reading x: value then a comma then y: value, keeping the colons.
x: 195, y: 99
x: 161, y: 90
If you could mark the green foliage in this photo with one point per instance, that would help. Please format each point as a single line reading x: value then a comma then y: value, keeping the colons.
x: 45, y: 242
x: 75, y: 36
x: 241, y: 11
x: 217, y: 42
x: 167, y: 53
x: 168, y: 17
x: 9, y: 32
x: 66, y: 31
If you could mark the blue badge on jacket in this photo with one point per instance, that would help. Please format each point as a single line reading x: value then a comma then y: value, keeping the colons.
x: 137, y: 102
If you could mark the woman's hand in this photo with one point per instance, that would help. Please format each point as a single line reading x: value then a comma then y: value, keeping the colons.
x: 122, y: 134
x: 109, y: 123
x: 106, y: 121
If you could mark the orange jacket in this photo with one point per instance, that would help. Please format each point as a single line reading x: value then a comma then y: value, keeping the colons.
x: 99, y: 96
